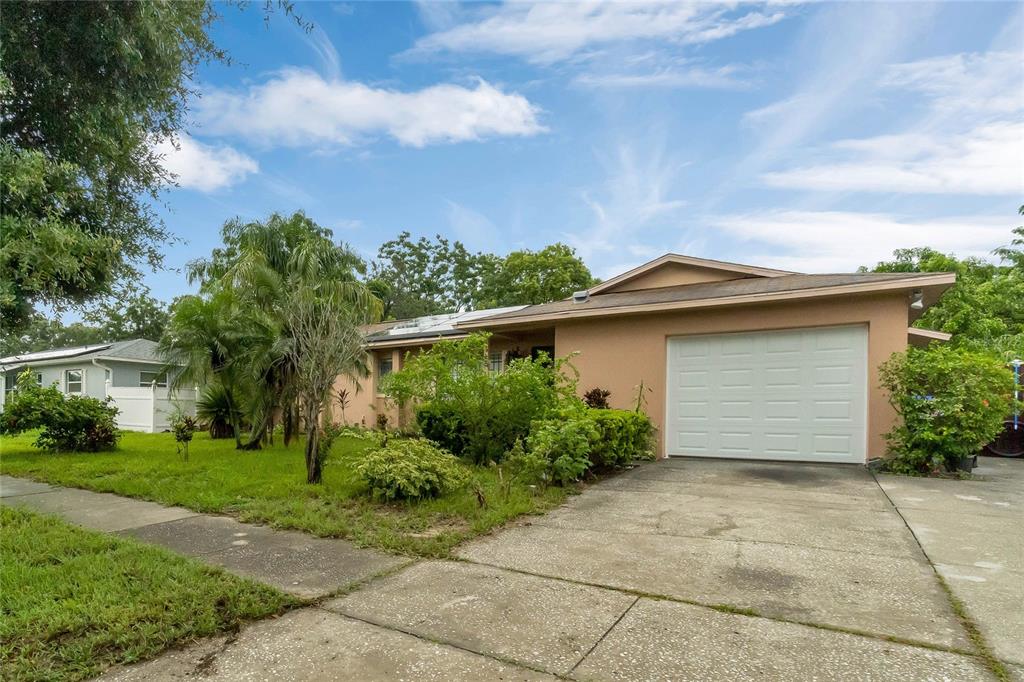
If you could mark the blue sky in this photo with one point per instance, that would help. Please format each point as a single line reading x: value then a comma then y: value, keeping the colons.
x: 812, y: 137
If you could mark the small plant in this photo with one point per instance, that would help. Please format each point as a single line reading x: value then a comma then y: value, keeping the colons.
x: 184, y: 428
x: 382, y: 421
x: 528, y: 467
x: 597, y: 398
x: 410, y: 469
x: 951, y: 402
x: 67, y: 423
x: 640, y: 403
x: 344, y: 399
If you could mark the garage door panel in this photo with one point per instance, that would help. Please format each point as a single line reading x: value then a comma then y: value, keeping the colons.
x: 797, y: 395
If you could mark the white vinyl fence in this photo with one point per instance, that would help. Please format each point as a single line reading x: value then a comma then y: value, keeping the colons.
x: 150, y: 408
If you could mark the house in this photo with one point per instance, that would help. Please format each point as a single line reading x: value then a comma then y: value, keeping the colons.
x: 131, y: 373
x: 740, y: 361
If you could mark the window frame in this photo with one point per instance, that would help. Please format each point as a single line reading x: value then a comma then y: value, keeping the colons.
x: 80, y: 381
x: 156, y: 377
x: 496, y: 356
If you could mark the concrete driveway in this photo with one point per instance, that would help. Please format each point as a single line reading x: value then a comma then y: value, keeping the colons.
x: 677, y: 570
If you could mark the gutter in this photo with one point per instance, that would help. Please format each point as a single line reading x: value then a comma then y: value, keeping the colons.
x: 769, y: 297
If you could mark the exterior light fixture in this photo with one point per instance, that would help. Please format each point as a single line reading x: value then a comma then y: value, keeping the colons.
x: 917, y: 300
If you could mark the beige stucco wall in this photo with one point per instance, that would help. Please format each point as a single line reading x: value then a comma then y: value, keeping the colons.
x: 616, y: 353
x: 673, y: 274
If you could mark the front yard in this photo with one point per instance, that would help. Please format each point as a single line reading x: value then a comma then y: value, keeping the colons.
x: 74, y: 601
x: 267, y: 486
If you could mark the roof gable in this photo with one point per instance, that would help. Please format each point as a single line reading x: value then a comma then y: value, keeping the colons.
x: 674, y: 269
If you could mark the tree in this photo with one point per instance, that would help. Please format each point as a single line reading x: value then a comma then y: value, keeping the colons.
x: 326, y: 341
x: 434, y: 276
x: 983, y: 309
x: 89, y: 90
x: 262, y: 263
x: 531, y: 277
x: 426, y: 277
x: 1014, y: 252
x: 210, y: 338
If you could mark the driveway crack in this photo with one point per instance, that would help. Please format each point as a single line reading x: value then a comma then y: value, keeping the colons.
x: 601, y: 639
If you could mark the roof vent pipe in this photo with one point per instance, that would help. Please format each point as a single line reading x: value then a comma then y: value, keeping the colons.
x: 581, y: 296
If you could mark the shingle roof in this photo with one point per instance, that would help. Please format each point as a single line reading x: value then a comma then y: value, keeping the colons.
x: 707, y: 291
x: 142, y: 350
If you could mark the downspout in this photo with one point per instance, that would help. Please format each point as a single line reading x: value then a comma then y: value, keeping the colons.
x: 105, y: 380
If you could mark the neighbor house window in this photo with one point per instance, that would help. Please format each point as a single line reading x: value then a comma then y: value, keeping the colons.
x: 496, y: 361
x: 73, y: 381
x: 11, y: 380
x: 385, y: 366
x: 146, y: 379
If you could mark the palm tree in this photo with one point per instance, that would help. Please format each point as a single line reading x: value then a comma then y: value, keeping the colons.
x: 207, y: 337
x: 264, y: 264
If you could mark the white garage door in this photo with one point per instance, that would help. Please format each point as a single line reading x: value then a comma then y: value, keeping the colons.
x: 796, y: 395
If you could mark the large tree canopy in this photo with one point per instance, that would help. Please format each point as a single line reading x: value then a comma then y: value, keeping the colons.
x: 984, y: 308
x: 432, y: 276
x: 88, y: 90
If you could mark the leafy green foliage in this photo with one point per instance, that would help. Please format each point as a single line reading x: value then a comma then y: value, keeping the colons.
x: 490, y: 410
x: 624, y: 436
x: 527, y: 466
x: 983, y: 309
x: 566, y: 443
x: 951, y: 402
x: 76, y: 601
x: 530, y: 277
x: 431, y: 276
x: 217, y: 411
x: 410, y: 469
x: 581, y: 439
x: 442, y: 423
x: 67, y: 423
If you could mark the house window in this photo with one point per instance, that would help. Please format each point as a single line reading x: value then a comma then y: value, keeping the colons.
x: 146, y: 379
x: 496, y: 361
x: 72, y: 381
x: 11, y: 380
x: 384, y: 367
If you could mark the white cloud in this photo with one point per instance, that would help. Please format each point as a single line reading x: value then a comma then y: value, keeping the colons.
x: 991, y: 82
x: 637, y: 198
x: 969, y: 141
x: 204, y: 167
x: 301, y: 108
x: 550, y: 32
x: 473, y: 228
x: 988, y: 160
x: 680, y: 76
x: 838, y: 241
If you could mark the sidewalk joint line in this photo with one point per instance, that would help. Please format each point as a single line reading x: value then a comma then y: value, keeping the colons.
x: 601, y: 639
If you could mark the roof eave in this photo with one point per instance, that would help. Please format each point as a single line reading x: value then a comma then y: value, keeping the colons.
x: 738, y: 268
x: 412, y: 341
x: 944, y: 279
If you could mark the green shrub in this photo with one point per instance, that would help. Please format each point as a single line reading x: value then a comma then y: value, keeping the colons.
x: 951, y: 402
x: 443, y: 425
x: 566, y: 443
x: 490, y: 411
x: 581, y: 439
x: 68, y: 423
x: 527, y: 466
x: 624, y: 436
x: 411, y: 468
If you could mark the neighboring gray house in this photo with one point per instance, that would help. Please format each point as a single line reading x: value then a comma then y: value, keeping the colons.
x: 131, y: 373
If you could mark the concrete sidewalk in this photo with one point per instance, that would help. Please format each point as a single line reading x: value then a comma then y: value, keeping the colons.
x: 296, y: 563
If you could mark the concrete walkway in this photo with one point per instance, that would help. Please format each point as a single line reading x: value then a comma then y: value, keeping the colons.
x: 681, y: 570
x: 296, y: 563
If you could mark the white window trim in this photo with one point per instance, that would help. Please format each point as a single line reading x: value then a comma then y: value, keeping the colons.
x: 146, y: 384
x: 80, y: 382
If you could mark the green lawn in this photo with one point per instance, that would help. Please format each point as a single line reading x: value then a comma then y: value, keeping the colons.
x: 268, y: 486
x: 73, y: 602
